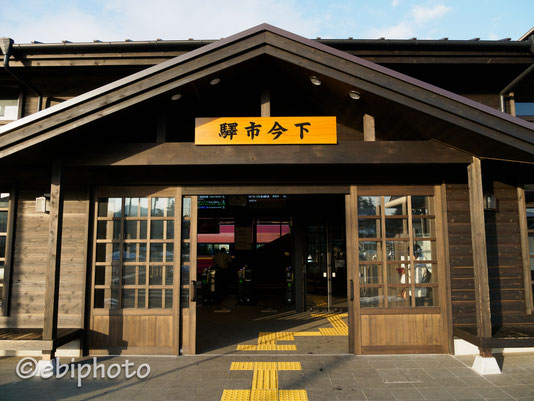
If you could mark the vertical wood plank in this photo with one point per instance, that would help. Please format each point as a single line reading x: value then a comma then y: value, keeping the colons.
x: 8, y: 264
x: 350, y: 271
x: 193, y: 275
x: 368, y: 128
x: 53, y: 255
x: 480, y: 258
x: 444, y: 288
x: 177, y: 276
x: 355, y: 260
x: 86, y: 259
x: 525, y: 251
x: 265, y: 103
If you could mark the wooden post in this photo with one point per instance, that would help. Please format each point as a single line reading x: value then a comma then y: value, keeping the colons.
x: 512, y: 104
x: 480, y: 258
x: 369, y: 128
x: 525, y: 252
x: 53, y: 259
x: 265, y: 103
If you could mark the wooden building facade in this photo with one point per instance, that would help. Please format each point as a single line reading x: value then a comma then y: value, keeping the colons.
x: 101, y: 177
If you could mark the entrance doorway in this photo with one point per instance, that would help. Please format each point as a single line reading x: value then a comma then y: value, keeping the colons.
x: 271, y: 274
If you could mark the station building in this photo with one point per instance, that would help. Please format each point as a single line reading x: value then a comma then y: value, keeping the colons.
x: 380, y: 192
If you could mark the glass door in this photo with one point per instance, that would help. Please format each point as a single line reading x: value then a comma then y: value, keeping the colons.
x: 325, y: 266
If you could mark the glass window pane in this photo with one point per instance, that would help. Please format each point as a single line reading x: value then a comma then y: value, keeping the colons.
x: 135, y: 229
x: 3, y: 222
x: 162, y: 207
x: 396, y: 205
x: 531, y: 243
x: 100, y: 275
x: 4, y: 200
x: 397, y: 250
x: 131, y: 207
x: 156, y: 229
x: 529, y: 194
x: 168, y: 298
x: 141, y: 280
x: 141, y: 300
x: 186, y: 251
x: 134, y: 252
x: 154, y: 298
x: 368, y: 228
x: 169, y: 252
x: 399, y: 273
x: 530, y: 218
x: 370, y: 274
x: 424, y: 250
x: 113, y: 301
x: 186, y: 205
x: 156, y: 252
x: 425, y: 273
x: 371, y: 297
x: 107, y: 252
x: 422, y: 205
x: 99, y: 298
x: 128, y: 298
x: 185, y: 229
x: 423, y: 228
x: 397, y: 228
x: 168, y: 275
x: 399, y: 297
x: 370, y: 250
x: 2, y: 246
x: 426, y: 296
x: 184, y: 276
x: 108, y: 229
x: 128, y: 275
x: 109, y: 207
x: 156, y: 275
x: 170, y: 229
x: 368, y: 205
x: 114, y: 275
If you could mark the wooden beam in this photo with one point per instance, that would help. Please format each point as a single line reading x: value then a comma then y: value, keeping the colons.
x: 480, y: 258
x: 368, y: 128
x: 265, y: 103
x: 350, y: 152
x: 525, y: 252
x: 53, y: 257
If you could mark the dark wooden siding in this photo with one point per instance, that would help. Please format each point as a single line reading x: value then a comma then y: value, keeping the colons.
x: 31, y: 245
x: 504, y: 258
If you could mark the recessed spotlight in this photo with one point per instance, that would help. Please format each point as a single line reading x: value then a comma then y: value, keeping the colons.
x: 314, y: 80
x: 354, y: 95
x: 215, y: 81
x: 176, y: 96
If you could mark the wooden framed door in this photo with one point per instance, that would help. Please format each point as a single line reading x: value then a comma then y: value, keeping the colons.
x: 188, y: 282
x: 135, y: 270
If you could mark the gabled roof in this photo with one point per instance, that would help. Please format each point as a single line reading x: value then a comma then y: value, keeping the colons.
x: 266, y: 39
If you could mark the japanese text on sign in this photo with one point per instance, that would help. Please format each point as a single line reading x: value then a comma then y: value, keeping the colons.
x: 265, y: 130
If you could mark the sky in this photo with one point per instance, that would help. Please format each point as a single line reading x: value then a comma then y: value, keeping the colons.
x: 118, y: 20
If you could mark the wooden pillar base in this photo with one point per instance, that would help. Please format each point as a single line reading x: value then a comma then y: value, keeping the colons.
x: 486, y: 366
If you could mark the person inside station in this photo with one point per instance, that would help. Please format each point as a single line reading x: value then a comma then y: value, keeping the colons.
x: 223, y: 261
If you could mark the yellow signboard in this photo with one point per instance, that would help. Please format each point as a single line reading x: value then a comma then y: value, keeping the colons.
x: 265, y: 130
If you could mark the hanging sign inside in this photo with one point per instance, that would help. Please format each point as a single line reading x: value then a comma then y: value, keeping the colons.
x: 265, y: 130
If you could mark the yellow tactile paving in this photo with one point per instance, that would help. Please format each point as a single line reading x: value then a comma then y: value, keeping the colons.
x: 319, y: 301
x: 242, y: 366
x: 289, y: 366
x: 264, y: 395
x: 267, y: 341
x: 292, y: 395
x: 265, y: 379
x: 265, y: 366
x: 236, y: 395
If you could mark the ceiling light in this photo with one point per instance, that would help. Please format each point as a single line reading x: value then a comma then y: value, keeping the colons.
x: 354, y: 95
x: 314, y: 80
x: 215, y: 81
x: 176, y: 96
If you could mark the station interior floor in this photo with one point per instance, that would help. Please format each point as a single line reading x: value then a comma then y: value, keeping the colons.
x: 269, y: 328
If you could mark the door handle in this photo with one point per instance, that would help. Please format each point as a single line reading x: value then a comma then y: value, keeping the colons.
x: 193, y: 291
x: 351, y: 290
